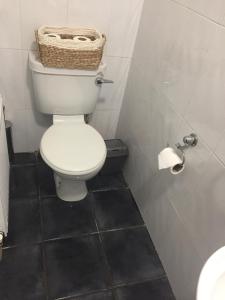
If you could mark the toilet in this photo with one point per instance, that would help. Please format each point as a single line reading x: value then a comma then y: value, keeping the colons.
x: 74, y: 150
x: 211, y: 284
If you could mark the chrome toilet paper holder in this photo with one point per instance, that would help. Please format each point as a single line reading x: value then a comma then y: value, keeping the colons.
x: 189, y: 141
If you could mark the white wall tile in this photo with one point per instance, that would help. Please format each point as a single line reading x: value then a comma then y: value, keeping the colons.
x: 37, y: 13
x: 186, y: 64
x: 99, y: 120
x: 10, y: 24
x: 112, y: 94
x: 170, y: 237
x: 213, y: 209
x: 5, y: 173
x: 123, y: 27
x: 118, y: 22
x: 211, y: 9
x: 220, y: 149
x: 28, y: 92
x: 19, y: 19
x: 27, y: 129
x: 175, y: 87
x: 11, y: 78
x: 37, y: 124
x: 112, y: 125
x: 89, y: 13
x: 206, y: 110
x: 105, y: 122
x: 19, y: 130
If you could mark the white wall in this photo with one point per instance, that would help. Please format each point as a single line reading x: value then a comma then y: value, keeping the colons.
x: 18, y: 20
x: 176, y: 86
x: 4, y: 176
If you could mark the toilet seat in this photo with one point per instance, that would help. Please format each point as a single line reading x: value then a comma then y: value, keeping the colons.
x: 73, y: 149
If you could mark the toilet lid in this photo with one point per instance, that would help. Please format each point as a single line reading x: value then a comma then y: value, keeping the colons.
x: 73, y: 149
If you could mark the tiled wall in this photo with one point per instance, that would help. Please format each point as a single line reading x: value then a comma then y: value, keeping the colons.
x: 177, y: 86
x: 18, y: 19
x: 4, y: 178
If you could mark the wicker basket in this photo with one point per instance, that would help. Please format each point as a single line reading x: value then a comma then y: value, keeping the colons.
x: 71, y: 48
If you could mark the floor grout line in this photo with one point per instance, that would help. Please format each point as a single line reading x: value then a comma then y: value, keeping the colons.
x: 109, y: 189
x: 44, y: 259
x: 83, y: 235
x: 124, y: 188
x: 43, y: 241
x: 109, y: 271
x: 18, y: 165
x: 131, y: 283
x: 111, y: 287
x: 123, y: 228
x: 45, y: 272
x: 114, y: 287
x: 83, y: 295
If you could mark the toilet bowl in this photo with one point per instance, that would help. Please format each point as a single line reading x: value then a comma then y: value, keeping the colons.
x: 211, y: 285
x: 76, y: 152
x: 73, y: 149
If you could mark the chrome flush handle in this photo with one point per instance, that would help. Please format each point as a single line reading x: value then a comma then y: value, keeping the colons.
x: 101, y: 80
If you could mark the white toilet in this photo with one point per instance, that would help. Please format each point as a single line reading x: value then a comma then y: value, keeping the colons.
x: 211, y: 285
x: 73, y: 149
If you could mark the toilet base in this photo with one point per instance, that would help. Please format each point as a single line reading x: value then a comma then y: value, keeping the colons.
x: 70, y: 190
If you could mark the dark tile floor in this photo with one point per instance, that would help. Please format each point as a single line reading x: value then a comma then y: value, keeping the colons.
x: 95, y: 249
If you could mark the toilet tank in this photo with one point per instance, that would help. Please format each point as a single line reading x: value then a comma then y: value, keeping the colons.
x: 64, y: 91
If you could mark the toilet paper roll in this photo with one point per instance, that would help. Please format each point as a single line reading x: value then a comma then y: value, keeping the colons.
x: 52, y: 36
x: 169, y: 159
x: 81, y: 39
x: 177, y: 169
